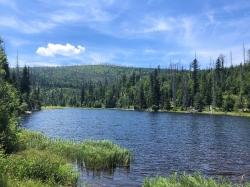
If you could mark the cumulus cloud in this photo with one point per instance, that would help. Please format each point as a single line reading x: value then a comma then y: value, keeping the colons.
x: 60, y: 49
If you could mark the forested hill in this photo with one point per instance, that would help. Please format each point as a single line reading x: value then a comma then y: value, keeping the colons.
x: 218, y: 88
x: 74, y: 76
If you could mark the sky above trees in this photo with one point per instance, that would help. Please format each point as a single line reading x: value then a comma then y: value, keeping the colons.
x: 123, y: 32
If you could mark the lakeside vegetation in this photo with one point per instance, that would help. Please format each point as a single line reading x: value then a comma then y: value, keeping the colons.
x: 186, y: 180
x: 43, y: 161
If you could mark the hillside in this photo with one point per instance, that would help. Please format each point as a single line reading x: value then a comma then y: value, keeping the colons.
x: 74, y: 76
x: 222, y: 88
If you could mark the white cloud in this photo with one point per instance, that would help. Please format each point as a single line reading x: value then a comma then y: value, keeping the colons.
x: 60, y: 49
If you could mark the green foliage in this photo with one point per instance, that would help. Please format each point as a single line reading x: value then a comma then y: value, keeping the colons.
x: 228, y: 104
x: 96, y: 155
x: 45, y: 162
x: 185, y: 180
x: 195, y: 70
x: 8, y: 105
x: 198, y: 102
x: 4, y: 66
x: 144, y: 88
x: 6, y: 181
x: 39, y: 165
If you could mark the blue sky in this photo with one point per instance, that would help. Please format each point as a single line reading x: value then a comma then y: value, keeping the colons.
x: 123, y: 32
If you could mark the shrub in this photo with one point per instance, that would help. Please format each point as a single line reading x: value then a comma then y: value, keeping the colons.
x: 228, y: 104
x: 39, y: 165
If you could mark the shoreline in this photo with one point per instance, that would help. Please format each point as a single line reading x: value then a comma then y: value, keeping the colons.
x: 214, y: 113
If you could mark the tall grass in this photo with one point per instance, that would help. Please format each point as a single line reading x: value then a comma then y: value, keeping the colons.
x: 95, y: 155
x: 186, y: 180
x: 42, y: 161
x: 39, y: 165
x: 6, y: 181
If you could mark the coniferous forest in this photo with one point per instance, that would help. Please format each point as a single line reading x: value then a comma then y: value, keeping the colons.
x: 218, y: 88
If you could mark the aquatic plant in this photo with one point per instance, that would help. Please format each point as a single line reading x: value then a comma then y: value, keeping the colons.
x: 93, y: 154
x: 187, y: 180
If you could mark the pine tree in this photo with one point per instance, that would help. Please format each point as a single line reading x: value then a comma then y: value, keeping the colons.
x: 82, y: 95
x: 25, y: 81
x: 141, y: 99
x: 195, y: 70
x: 4, y: 66
x: 155, y: 90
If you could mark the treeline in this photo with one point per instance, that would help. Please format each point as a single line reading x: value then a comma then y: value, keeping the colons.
x: 16, y: 97
x: 218, y: 88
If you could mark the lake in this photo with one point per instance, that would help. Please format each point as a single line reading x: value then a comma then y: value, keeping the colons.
x: 162, y: 143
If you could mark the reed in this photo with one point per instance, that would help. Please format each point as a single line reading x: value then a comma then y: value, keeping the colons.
x: 186, y: 180
x: 93, y: 154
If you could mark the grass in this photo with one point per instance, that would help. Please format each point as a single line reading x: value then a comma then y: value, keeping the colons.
x: 41, y: 161
x: 93, y: 154
x: 53, y: 107
x: 206, y: 112
x: 186, y: 180
x: 39, y: 165
x: 6, y: 181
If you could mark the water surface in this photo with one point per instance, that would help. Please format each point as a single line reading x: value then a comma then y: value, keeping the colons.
x: 162, y: 143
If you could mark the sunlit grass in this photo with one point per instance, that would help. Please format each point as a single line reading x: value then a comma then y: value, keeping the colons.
x: 53, y: 107
x: 42, y: 161
x: 186, y: 180
x: 97, y: 155
x: 6, y: 181
x: 44, y: 166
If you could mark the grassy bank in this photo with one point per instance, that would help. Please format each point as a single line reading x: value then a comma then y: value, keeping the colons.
x: 185, y: 180
x: 221, y: 113
x: 52, y: 107
x: 45, y: 162
x: 205, y: 112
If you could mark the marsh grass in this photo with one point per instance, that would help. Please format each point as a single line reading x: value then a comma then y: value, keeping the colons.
x: 186, y: 180
x: 6, y: 181
x: 42, y: 161
x: 38, y: 165
x: 93, y: 154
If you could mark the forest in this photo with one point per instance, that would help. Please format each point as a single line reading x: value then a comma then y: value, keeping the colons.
x: 217, y: 88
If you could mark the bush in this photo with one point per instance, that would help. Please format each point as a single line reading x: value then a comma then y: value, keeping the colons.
x: 44, y: 166
x: 8, y: 122
x: 155, y: 108
x: 228, y: 104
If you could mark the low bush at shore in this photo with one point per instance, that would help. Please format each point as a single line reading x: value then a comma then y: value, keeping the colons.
x: 46, y: 162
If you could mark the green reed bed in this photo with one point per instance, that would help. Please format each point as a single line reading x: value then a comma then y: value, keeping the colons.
x: 186, y: 180
x: 96, y: 155
x: 41, y: 161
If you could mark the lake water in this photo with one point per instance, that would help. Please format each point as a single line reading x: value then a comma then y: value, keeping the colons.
x: 162, y: 143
